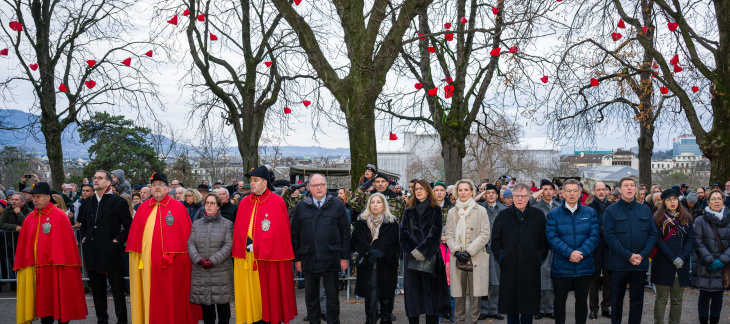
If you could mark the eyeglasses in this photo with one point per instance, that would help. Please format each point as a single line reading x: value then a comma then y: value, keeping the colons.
x: 158, y: 185
x: 716, y: 199
x: 520, y: 196
x: 419, y: 189
x: 319, y: 185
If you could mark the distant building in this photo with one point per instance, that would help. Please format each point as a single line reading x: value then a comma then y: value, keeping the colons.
x: 685, y: 144
x: 608, y: 174
x: 686, y: 162
x: 586, y: 159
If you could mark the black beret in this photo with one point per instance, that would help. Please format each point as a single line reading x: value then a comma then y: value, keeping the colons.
x: 669, y: 193
x: 491, y: 187
x: 545, y: 182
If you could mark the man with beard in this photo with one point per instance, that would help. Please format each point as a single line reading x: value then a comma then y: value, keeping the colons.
x: 601, y: 274
x: 547, y: 203
x: 379, y: 184
x: 490, y: 304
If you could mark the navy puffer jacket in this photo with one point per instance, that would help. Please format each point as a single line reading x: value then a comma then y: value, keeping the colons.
x: 568, y: 231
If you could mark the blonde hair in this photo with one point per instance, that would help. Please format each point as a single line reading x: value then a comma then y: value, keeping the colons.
x: 388, y: 216
x: 128, y: 198
x: 347, y: 193
x: 197, y: 197
x: 467, y: 181
x: 59, y: 202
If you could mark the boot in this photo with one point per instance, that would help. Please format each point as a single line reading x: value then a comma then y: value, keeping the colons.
x: 714, y: 319
x: 386, y: 309
x: 703, y: 320
x: 368, y: 312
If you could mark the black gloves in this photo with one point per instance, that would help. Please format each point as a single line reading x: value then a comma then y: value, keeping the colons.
x: 297, y: 186
x: 462, y: 256
x: 375, y: 255
x: 367, y: 184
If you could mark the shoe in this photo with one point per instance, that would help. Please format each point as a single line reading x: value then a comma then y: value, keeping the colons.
x: 452, y: 319
x: 483, y: 317
x: 593, y: 315
x: 498, y: 316
x: 606, y: 314
x: 550, y: 315
x: 306, y: 318
x: 539, y: 316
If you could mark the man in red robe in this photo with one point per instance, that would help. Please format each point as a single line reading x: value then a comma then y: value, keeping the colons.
x: 159, y: 267
x: 262, y: 229
x: 48, y: 264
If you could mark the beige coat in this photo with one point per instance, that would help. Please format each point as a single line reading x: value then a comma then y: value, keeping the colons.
x: 478, y: 232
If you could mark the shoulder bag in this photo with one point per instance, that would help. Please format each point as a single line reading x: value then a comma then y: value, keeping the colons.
x: 425, y: 267
x: 725, y: 268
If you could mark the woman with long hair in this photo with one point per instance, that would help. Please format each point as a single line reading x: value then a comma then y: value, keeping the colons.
x: 671, y: 255
x: 370, y: 171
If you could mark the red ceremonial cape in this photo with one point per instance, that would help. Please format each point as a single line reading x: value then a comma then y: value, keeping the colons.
x: 271, y: 245
x: 171, y: 266
x: 59, y: 290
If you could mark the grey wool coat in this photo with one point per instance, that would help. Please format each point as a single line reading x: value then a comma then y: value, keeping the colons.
x: 212, y: 238
x: 478, y: 233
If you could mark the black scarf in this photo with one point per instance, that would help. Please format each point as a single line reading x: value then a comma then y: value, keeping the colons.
x: 421, y: 207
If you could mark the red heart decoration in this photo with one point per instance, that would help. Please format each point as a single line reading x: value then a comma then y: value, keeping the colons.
x: 463, y: 20
x: 393, y: 137
x: 213, y: 37
x: 33, y: 67
x: 91, y: 63
x: 674, y: 60
x: 422, y: 38
x: 449, y: 88
x: 656, y: 66
x: 418, y: 86
x: 621, y: 23
x: 90, y: 84
x: 495, y: 11
x: 287, y: 110
x: 664, y: 90
x: 594, y: 82
x: 186, y: 12
x: 449, y: 79
x: 16, y: 26
x: 449, y: 95
x: 513, y: 49
x: 495, y: 52
x: 201, y: 17
x: 268, y: 64
x: 447, y: 25
x: 449, y: 37
x: 297, y: 2
x: 306, y: 103
x: 616, y: 36
x: 127, y: 61
x: 645, y: 29
x: 695, y: 89
x: 678, y: 69
x: 544, y: 79
x: 431, y: 49
x: 149, y: 53
x: 4, y: 52
x: 173, y: 20
x: 62, y: 88
x: 672, y: 26
x: 433, y: 92
x: 653, y: 75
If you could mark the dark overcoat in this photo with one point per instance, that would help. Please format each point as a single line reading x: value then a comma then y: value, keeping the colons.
x: 320, y: 236
x: 679, y: 245
x: 102, y: 222
x: 389, y: 244
x: 424, y: 294
x: 600, y: 257
x: 520, y: 247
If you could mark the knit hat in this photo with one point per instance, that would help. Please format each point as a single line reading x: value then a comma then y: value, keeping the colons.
x: 692, y: 197
x: 507, y: 194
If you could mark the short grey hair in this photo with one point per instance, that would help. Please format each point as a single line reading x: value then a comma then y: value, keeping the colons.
x: 597, y: 182
x: 520, y: 186
x: 572, y: 182
x: 22, y: 196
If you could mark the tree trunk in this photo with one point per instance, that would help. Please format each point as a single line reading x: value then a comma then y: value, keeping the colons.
x: 248, y: 129
x: 716, y: 145
x: 453, y: 151
x: 54, y: 149
x: 646, y: 149
x: 360, y: 117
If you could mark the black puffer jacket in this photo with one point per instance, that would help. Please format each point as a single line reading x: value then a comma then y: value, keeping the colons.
x: 707, y: 249
x: 320, y: 236
x: 195, y: 210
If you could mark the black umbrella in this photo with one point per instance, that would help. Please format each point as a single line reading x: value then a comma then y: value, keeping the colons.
x: 374, y: 293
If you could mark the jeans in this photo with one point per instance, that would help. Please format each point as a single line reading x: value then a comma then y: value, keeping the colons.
x: 709, y: 303
x: 603, y: 282
x: 660, y: 305
x: 331, y: 280
x: 224, y: 313
x: 561, y: 287
x: 636, y: 280
x: 519, y: 319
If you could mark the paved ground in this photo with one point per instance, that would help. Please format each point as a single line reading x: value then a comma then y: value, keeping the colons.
x: 353, y: 311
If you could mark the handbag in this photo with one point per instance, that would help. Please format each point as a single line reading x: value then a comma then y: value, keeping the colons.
x: 725, y: 268
x: 464, y: 266
x: 426, y: 267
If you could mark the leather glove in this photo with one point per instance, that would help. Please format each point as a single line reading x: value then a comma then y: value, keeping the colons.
x: 205, y: 263
x: 377, y: 253
x: 716, y: 265
x: 678, y: 262
x: 462, y: 256
x: 367, y: 184
x: 297, y: 186
x: 249, y: 244
x: 418, y: 255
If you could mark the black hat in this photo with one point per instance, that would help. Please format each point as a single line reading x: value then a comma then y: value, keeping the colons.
x: 203, y: 187
x: 263, y: 173
x: 491, y: 187
x: 545, y: 182
x: 42, y: 188
x: 218, y: 182
x: 669, y: 193
x: 717, y: 184
x: 684, y: 185
x: 371, y: 168
x: 380, y: 175
x: 158, y: 176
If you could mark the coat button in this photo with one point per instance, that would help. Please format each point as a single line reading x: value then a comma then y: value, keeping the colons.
x: 94, y: 227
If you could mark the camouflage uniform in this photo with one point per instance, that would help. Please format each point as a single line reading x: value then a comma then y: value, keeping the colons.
x: 289, y: 200
x: 360, y: 198
x: 445, y: 212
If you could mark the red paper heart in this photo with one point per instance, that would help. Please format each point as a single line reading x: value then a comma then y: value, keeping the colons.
x: 594, y: 82
x: 62, y: 88
x: 672, y: 26
x: 306, y: 103
x: 463, y: 20
x: 149, y: 53
x: 449, y: 95
x: 495, y: 52
x: 127, y: 61
x: 268, y: 64
x: 653, y: 75
x: 695, y: 89
x: 4, y: 52
x: 616, y: 36
x: 447, y: 25
x: 449, y: 88
x: 449, y: 37
x: 449, y: 79
x: 621, y: 23
x: 201, y: 17
x: 513, y: 49
x: 433, y: 92
x: 393, y: 137
x: 495, y: 11
x: 90, y: 84
x: 674, y: 60
x: 645, y: 29
x: 422, y: 38
x: 287, y: 110
x: 91, y: 63
x: 173, y: 20
x: 297, y: 2
x: 656, y: 66
x: 33, y: 67
x: 664, y: 90
x: 431, y: 49
x: 678, y: 69
x: 418, y: 86
x: 213, y: 37
x: 16, y: 26
x: 544, y: 79
x: 186, y: 12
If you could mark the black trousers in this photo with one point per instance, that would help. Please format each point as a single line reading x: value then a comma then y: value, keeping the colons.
x: 561, y: 287
x: 49, y: 320
x: 636, y: 280
x: 330, y: 281
x: 98, y: 283
x: 604, y: 283
x: 224, y: 313
x: 430, y: 319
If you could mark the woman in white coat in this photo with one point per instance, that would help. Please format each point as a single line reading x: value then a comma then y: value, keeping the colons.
x: 467, y: 234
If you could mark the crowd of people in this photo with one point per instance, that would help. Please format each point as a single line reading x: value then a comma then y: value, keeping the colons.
x: 466, y: 252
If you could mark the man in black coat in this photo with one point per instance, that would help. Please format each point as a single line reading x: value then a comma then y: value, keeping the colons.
x: 519, y: 242
x: 105, y: 220
x: 601, y: 276
x: 228, y: 209
x: 320, y: 230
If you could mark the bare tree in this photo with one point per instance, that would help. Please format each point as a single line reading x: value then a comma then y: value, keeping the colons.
x: 52, y: 43
x: 212, y: 155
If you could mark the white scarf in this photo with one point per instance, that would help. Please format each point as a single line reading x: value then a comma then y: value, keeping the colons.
x: 718, y: 215
x: 463, y: 209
